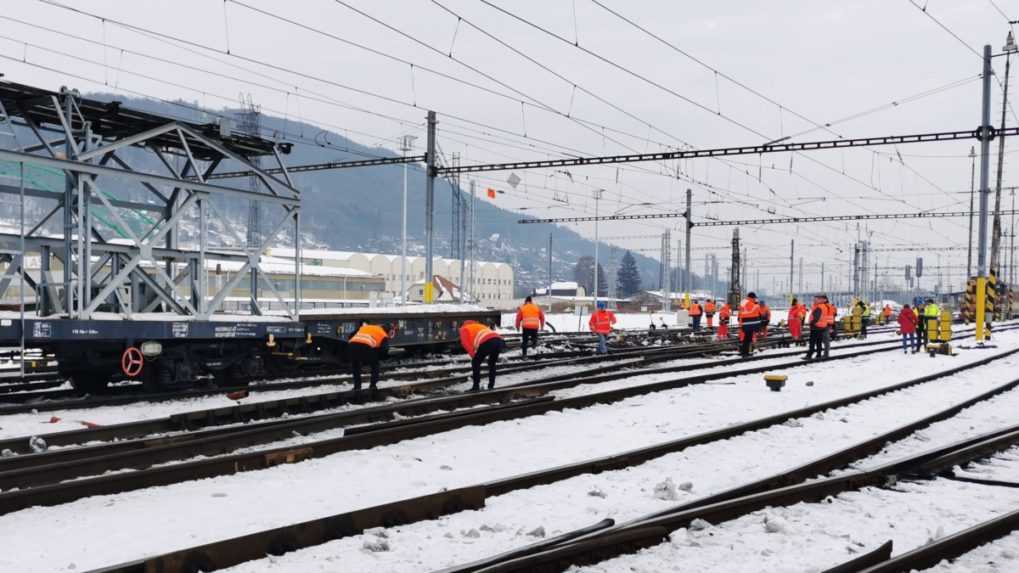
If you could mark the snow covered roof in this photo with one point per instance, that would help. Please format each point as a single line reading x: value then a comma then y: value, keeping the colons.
x: 327, y: 255
x: 408, y: 308
x: 286, y: 266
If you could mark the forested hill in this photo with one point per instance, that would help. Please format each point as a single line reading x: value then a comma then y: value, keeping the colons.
x: 358, y: 209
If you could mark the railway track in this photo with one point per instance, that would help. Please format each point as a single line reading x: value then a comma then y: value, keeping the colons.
x: 70, y: 399
x: 37, y: 475
x: 596, y: 539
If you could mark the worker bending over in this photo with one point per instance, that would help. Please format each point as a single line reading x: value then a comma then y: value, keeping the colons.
x: 695, y: 311
x: 530, y: 319
x: 601, y: 323
x: 481, y: 343
x: 724, y: 314
x: 820, y: 321
x: 749, y: 321
x: 367, y: 346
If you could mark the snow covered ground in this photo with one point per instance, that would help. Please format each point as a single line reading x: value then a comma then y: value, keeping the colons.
x: 816, y: 536
x: 108, y: 529
x: 1000, y: 556
x: 630, y: 493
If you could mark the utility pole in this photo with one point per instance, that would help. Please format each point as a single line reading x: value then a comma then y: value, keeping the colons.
x: 470, y: 237
x: 972, y: 192
x: 792, y: 259
x: 800, y: 289
x: 985, y: 145
x: 822, y: 278
x: 687, y: 277
x: 996, y: 232
x: 735, y: 280
x: 406, y: 144
x: 666, y: 272
x: 548, y: 291
x: 430, y: 174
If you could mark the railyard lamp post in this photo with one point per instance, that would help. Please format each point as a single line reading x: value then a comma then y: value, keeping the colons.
x: 406, y: 144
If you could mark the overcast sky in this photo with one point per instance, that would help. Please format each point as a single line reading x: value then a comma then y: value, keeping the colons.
x: 805, y: 62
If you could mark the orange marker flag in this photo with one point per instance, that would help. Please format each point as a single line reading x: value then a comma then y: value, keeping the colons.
x: 491, y: 193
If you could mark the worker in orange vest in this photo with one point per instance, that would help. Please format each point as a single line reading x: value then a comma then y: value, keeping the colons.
x: 749, y: 321
x: 762, y: 331
x: 886, y: 312
x: 709, y: 311
x: 724, y: 314
x: 481, y: 343
x: 530, y: 319
x: 367, y: 346
x: 795, y: 321
x: 601, y: 323
x: 821, y: 318
x: 695, y: 312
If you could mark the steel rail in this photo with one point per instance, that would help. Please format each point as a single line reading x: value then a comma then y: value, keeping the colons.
x: 226, y: 553
x: 57, y: 493
x: 132, y: 435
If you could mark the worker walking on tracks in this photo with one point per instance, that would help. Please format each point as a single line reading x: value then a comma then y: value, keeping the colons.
x: 601, y: 323
x: 724, y: 315
x: 820, y: 324
x: 366, y: 347
x: 749, y: 321
x: 695, y: 312
x: 530, y: 319
x: 830, y: 333
x: 709, y: 312
x: 795, y: 321
x: 907, y: 327
x: 481, y: 343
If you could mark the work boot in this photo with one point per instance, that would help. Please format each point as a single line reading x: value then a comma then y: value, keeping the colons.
x: 373, y: 392
x: 491, y: 385
x: 808, y: 357
x: 475, y: 388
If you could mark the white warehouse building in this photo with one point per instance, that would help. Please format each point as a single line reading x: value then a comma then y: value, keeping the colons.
x: 493, y: 283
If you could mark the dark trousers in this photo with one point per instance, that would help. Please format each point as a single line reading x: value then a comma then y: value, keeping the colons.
x: 921, y: 333
x: 864, y: 321
x: 696, y: 322
x: 361, y: 355
x: 748, y: 338
x: 816, y: 344
x: 489, y: 351
x: 528, y: 334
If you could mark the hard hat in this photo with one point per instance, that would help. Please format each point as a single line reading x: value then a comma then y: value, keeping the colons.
x: 601, y: 304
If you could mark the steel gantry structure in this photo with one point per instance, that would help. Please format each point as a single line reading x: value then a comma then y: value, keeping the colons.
x: 132, y: 241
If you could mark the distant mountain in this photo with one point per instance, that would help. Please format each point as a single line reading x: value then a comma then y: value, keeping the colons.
x: 358, y: 209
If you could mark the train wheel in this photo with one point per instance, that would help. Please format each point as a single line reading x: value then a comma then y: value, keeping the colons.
x: 90, y: 381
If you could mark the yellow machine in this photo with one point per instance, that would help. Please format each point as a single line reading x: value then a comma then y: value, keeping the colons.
x: 939, y: 332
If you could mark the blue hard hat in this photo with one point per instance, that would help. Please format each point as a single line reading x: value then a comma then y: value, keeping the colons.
x: 601, y: 304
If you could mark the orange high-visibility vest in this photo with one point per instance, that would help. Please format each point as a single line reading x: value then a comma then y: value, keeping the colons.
x: 749, y: 310
x: 473, y: 335
x: 725, y: 312
x: 695, y: 309
x: 370, y: 335
x: 601, y: 321
x: 709, y: 307
x: 530, y: 316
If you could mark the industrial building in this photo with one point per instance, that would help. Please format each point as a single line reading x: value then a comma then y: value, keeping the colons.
x: 493, y: 283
